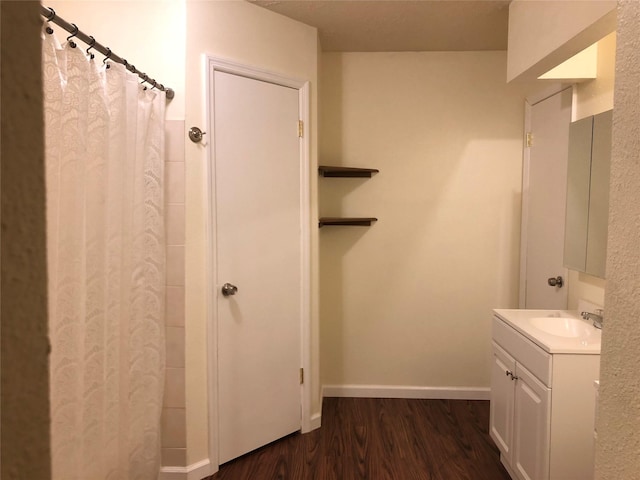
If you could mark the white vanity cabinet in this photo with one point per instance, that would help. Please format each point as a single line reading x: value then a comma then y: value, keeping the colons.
x: 542, y: 408
x: 520, y: 416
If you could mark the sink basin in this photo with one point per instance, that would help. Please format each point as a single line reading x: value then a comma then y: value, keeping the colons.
x: 563, y: 326
x: 555, y: 331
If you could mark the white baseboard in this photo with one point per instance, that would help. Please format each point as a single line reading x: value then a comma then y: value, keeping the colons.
x: 407, y: 391
x: 195, y: 471
x: 316, y: 421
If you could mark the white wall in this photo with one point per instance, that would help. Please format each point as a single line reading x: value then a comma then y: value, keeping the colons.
x: 545, y: 33
x: 149, y: 34
x: 408, y: 301
x: 243, y: 33
x: 617, y: 449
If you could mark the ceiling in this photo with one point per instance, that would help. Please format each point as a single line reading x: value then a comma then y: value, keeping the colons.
x: 401, y: 25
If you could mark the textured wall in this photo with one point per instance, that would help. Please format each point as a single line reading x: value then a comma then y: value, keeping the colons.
x: 618, y: 447
x: 25, y: 399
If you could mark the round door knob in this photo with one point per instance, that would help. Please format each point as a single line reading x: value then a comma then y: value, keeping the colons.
x: 556, y: 282
x: 229, y: 289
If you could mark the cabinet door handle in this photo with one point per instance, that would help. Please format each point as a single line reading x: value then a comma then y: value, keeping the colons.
x: 509, y: 373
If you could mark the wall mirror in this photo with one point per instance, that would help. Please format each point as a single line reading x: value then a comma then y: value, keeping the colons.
x: 585, y: 245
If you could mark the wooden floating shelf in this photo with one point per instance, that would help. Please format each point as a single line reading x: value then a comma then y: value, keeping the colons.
x: 358, y: 222
x: 352, y: 172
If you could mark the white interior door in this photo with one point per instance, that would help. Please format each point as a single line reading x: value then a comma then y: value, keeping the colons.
x: 258, y: 250
x: 545, y: 202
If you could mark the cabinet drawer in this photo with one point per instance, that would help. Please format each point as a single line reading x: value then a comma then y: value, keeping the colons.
x: 536, y: 360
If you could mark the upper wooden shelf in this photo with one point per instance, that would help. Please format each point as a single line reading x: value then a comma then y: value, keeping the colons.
x: 327, y: 171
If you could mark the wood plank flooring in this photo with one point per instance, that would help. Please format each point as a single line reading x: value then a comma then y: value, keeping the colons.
x: 381, y: 439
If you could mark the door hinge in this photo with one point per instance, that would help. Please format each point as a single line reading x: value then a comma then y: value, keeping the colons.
x: 301, y: 376
x: 529, y: 139
x: 300, y: 128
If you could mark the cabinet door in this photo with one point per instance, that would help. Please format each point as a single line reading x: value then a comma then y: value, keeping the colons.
x: 599, y: 194
x: 578, y: 177
x: 531, y: 427
x: 502, y: 400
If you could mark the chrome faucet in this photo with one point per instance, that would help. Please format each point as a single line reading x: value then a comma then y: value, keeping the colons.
x: 598, y: 317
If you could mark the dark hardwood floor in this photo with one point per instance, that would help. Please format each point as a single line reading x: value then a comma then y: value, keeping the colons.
x: 381, y: 439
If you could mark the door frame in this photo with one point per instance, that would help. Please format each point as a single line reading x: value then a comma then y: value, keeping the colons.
x: 529, y: 102
x: 211, y: 65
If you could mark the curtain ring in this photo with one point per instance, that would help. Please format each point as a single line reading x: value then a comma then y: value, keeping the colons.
x: 51, y: 16
x: 128, y: 66
x: 106, y: 57
x: 73, y: 34
x: 93, y: 42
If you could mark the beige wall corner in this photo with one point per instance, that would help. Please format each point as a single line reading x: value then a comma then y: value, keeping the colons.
x: 618, y: 423
x: 25, y: 375
x: 545, y: 33
x: 596, y: 96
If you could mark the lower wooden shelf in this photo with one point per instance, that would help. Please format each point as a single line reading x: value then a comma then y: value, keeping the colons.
x: 327, y: 171
x: 351, y: 221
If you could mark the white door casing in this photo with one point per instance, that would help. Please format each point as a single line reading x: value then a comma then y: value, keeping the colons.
x: 258, y: 239
x: 544, y: 202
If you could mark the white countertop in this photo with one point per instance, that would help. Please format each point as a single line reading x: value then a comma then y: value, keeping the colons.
x: 586, y: 342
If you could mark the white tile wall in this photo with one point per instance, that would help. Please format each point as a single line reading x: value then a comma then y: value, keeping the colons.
x: 175, y: 265
x: 173, y: 436
x: 175, y: 306
x: 175, y: 347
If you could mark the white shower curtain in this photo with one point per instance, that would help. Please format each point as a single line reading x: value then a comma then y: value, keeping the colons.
x: 106, y: 254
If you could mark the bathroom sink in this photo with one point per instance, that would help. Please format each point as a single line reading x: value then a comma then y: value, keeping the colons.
x: 563, y: 326
x: 555, y: 331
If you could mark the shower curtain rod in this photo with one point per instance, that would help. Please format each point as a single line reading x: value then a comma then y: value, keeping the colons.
x: 50, y: 15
